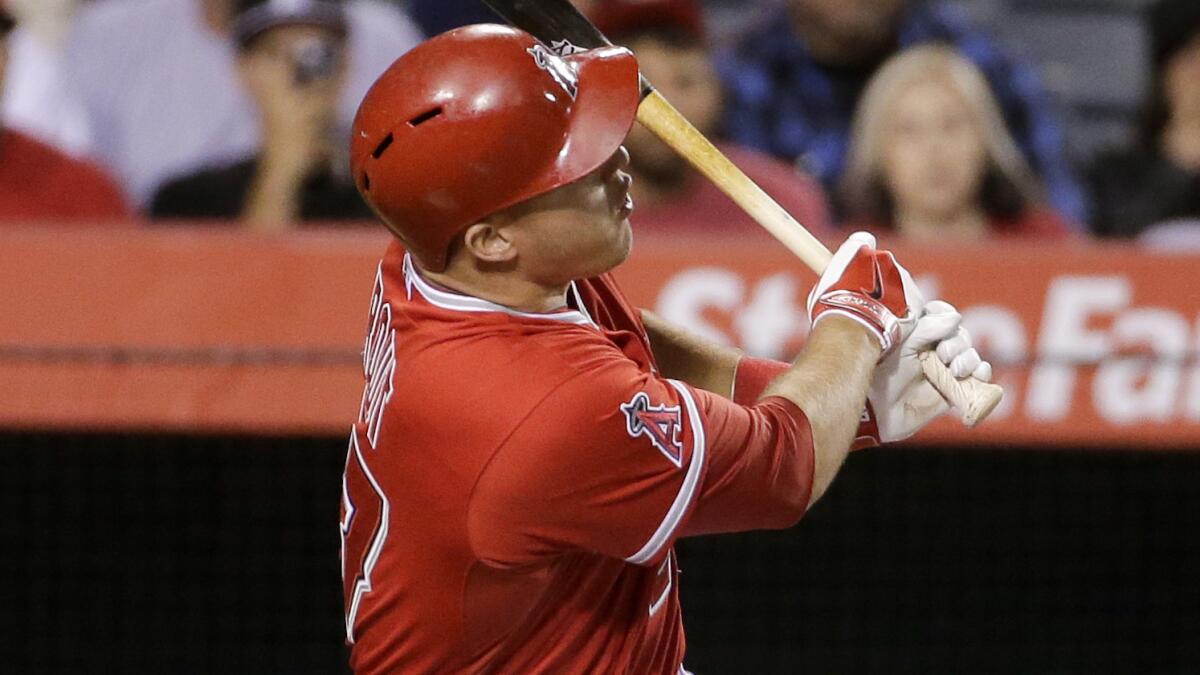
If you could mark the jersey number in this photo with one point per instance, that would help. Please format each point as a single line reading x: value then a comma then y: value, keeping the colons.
x: 364, y: 526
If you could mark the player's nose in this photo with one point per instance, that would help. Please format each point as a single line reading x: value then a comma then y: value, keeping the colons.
x: 619, y: 161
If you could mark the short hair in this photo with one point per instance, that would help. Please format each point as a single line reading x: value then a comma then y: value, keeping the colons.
x: 1009, y: 185
x: 254, y: 18
x: 1173, y: 25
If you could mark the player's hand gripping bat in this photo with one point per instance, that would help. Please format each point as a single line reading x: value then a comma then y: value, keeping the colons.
x: 553, y: 21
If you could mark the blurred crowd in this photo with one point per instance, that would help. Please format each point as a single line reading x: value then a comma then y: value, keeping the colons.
x: 896, y: 116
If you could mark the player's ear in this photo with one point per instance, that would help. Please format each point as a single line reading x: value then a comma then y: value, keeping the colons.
x: 488, y: 242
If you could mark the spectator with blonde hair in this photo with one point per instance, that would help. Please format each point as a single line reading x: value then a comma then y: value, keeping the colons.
x: 932, y: 159
x: 795, y: 80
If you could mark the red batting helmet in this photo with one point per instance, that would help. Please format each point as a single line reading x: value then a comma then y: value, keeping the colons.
x: 478, y: 119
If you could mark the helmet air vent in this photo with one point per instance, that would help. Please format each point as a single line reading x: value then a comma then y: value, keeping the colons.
x: 382, y: 147
x: 425, y: 117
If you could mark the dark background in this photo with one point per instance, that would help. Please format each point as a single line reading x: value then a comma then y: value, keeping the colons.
x: 183, y: 554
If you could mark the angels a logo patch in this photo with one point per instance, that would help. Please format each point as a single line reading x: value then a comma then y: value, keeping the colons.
x: 660, y: 423
x: 560, y: 70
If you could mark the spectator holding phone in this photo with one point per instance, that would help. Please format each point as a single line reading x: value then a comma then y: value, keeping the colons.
x: 291, y: 60
x: 159, y: 84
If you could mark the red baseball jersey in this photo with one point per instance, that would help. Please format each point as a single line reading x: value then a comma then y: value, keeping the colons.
x: 515, y: 483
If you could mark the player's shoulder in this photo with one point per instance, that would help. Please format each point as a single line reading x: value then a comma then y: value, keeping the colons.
x: 602, y: 289
x: 607, y: 303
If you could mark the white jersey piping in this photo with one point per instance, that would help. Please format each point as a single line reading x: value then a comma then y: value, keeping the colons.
x: 466, y: 303
x: 687, y: 490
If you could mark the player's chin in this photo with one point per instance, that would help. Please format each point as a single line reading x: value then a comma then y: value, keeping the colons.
x: 625, y: 240
x: 616, y: 249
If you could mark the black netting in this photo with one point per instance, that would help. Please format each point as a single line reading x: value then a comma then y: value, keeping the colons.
x: 963, y: 562
x: 178, y: 554
x: 174, y: 554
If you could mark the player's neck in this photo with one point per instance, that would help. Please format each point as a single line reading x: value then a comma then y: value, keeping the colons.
x: 508, y: 289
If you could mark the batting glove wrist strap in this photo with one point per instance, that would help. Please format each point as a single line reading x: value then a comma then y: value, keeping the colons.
x: 870, y: 313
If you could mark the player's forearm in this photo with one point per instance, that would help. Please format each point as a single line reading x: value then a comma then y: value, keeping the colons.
x: 828, y: 381
x: 682, y: 355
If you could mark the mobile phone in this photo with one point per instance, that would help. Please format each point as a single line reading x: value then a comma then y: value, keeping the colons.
x: 314, y: 61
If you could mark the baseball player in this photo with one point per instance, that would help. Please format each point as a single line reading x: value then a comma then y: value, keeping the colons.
x: 529, y: 445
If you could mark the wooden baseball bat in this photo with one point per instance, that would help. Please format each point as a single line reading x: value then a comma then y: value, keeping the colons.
x: 556, y: 22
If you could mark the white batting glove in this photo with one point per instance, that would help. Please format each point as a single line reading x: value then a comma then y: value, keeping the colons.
x: 901, y: 399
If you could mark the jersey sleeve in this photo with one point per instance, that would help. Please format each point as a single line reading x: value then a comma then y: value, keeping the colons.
x: 622, y: 463
x: 760, y: 466
x: 611, y: 461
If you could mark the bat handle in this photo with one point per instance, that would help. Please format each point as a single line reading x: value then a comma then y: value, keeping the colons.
x: 974, y: 399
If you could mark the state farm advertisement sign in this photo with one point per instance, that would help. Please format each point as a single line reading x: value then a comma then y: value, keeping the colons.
x: 1094, y: 345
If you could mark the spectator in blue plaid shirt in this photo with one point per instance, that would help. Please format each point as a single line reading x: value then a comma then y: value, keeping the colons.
x: 794, y: 82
